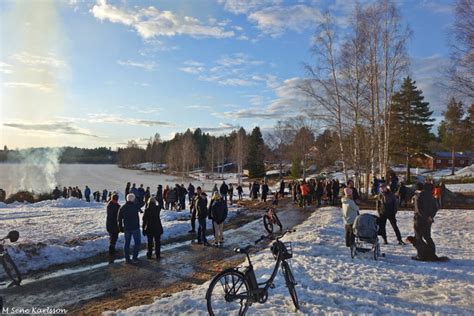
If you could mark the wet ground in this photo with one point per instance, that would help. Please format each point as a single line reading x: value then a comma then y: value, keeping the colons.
x: 95, y: 286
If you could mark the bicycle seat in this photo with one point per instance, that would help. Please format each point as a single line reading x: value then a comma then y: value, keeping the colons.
x: 245, y: 250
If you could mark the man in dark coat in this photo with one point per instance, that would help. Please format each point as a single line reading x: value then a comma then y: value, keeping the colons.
x: 387, y: 208
x: 265, y: 190
x: 223, y: 190
x: 282, y: 189
x: 425, y: 211
x: 193, y: 209
x: 56, y: 193
x: 159, y: 196
x: 87, y: 193
x: 201, y: 214
x: 129, y: 223
x: 191, y: 192
x: 112, y: 225
x: 152, y: 228
x: 182, y: 196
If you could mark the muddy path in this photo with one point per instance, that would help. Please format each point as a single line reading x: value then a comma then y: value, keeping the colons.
x: 102, y: 287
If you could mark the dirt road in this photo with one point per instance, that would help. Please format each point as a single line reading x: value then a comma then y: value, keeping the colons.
x: 99, y: 287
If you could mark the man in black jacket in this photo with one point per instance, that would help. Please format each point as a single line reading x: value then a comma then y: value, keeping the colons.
x: 201, y: 214
x: 387, y: 208
x: 425, y: 210
x: 129, y: 223
x: 152, y: 228
x: 224, y: 189
x: 112, y: 225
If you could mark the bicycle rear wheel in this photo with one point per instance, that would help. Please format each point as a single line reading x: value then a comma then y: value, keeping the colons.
x: 228, y: 294
x: 268, y: 224
x: 11, y: 269
x: 290, y: 283
x: 277, y: 220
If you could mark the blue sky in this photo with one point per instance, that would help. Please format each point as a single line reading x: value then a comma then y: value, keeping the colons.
x: 100, y: 73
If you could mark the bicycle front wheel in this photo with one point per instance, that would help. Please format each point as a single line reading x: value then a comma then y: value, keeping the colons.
x: 277, y: 220
x: 11, y: 269
x: 267, y: 222
x: 228, y: 294
x: 290, y: 283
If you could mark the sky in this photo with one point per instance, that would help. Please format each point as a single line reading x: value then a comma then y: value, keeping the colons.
x: 101, y: 73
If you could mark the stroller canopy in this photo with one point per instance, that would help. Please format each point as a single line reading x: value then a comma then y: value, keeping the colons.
x: 365, y: 226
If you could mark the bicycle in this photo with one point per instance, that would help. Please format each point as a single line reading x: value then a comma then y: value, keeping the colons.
x: 239, y: 289
x: 7, y: 262
x: 269, y: 219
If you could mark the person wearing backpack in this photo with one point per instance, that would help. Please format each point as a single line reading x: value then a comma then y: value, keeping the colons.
x: 350, y: 210
x: 425, y: 211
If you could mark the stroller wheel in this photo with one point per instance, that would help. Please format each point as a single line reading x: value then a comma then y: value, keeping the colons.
x: 353, y: 250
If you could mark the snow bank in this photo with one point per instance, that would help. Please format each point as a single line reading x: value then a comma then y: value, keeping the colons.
x: 330, y: 281
x: 66, y: 230
x: 461, y: 187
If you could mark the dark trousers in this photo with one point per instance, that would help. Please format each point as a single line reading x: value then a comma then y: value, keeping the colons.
x: 154, y: 240
x: 423, y: 242
x: 201, y: 233
x: 113, y: 236
x: 393, y: 222
x: 350, y: 238
x: 193, y: 220
x: 264, y: 197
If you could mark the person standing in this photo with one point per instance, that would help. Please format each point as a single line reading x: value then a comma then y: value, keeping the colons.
x: 193, y: 209
x: 165, y: 197
x: 425, y: 211
x: 182, y: 197
x: 265, y: 190
x: 282, y: 189
x: 402, y: 194
x: 202, y: 214
x: 129, y: 223
x: 191, y: 191
x: 240, y: 192
x: 152, y: 228
x: 147, y: 194
x: 140, y: 198
x: 104, y: 195
x: 87, y: 193
x: 218, y: 213
x: 159, y: 196
x: 112, y: 225
x: 355, y: 193
x: 127, y: 189
x: 223, y: 190
x: 350, y: 210
x: 231, y: 193
x: 387, y: 209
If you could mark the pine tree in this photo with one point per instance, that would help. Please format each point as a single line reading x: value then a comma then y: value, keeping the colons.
x: 255, y: 163
x: 411, y: 118
x: 453, y: 128
x: 296, y: 167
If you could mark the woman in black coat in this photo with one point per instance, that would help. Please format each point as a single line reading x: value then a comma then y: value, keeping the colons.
x: 152, y: 228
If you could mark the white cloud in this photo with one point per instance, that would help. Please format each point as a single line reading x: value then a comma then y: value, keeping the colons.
x: 144, y: 65
x: 223, y: 127
x: 39, y: 60
x: 275, y: 20
x: 30, y: 85
x: 150, y: 22
x: 192, y: 70
x: 436, y: 7
x: 245, y: 6
x: 59, y: 127
x: 5, y: 68
x: 198, y: 107
x: 117, y: 119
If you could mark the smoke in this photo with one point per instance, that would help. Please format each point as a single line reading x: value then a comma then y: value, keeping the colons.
x: 35, y: 169
x: 33, y: 89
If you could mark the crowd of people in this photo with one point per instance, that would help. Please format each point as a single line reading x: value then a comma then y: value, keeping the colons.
x: 75, y: 192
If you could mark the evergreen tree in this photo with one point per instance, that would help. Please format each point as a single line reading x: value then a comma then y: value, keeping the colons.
x: 255, y: 163
x: 411, y: 118
x: 452, y: 130
x: 296, y: 167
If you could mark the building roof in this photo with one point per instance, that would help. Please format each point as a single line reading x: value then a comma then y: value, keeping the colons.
x: 448, y: 155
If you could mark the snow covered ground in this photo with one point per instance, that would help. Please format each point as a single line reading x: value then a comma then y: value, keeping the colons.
x: 330, y: 281
x: 461, y: 187
x: 65, y: 230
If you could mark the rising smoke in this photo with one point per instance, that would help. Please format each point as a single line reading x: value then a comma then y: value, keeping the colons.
x: 34, y: 93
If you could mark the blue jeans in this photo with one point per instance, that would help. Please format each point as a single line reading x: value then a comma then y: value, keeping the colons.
x: 136, y: 243
x: 201, y: 233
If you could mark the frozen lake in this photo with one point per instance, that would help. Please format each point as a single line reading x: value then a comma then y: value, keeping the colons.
x: 97, y: 177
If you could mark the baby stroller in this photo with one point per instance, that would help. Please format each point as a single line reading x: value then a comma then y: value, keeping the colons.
x: 365, y: 230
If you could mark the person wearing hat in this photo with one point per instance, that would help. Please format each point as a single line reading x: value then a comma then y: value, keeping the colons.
x: 350, y: 210
x: 111, y: 224
x: 387, y: 208
x: 129, y: 223
x: 152, y: 228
